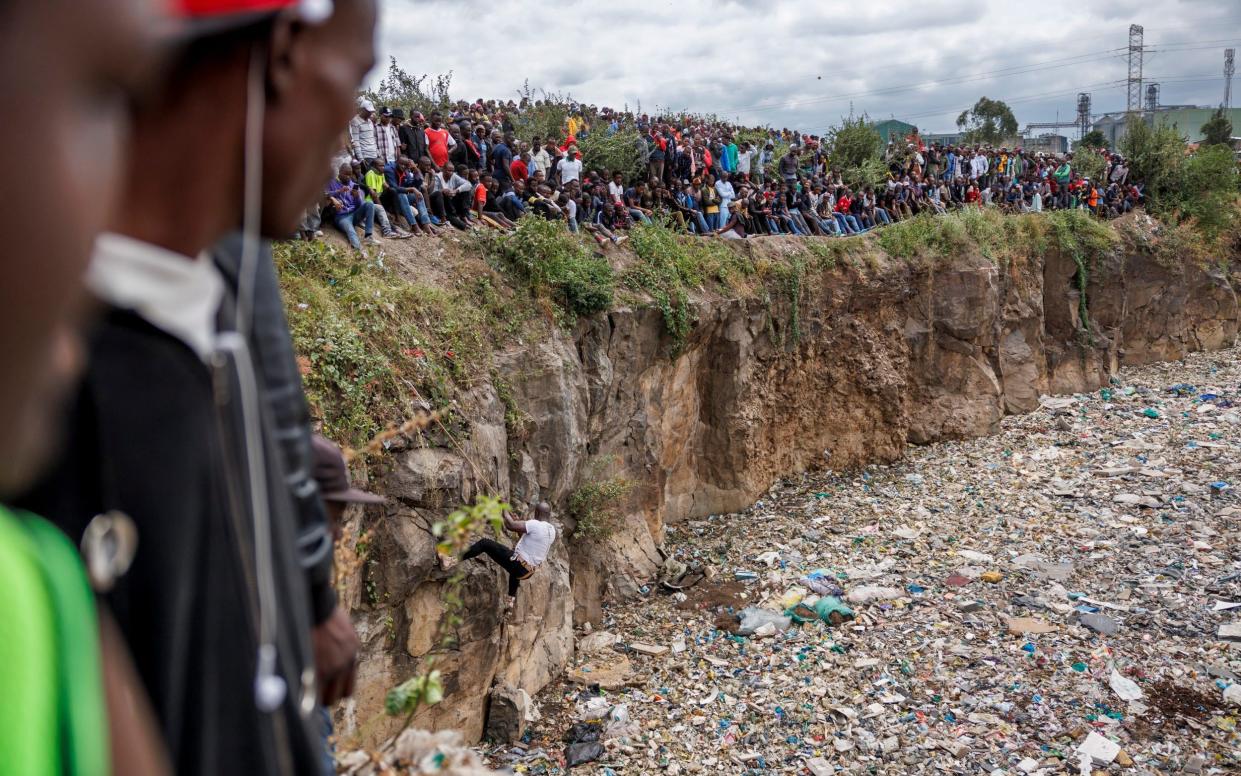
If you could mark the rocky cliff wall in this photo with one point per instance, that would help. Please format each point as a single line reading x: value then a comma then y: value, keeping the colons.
x: 872, y: 358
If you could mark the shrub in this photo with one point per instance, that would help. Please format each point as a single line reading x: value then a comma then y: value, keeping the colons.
x: 596, y: 506
x: 624, y: 152
x: 856, y: 149
x: 1208, y: 189
x: 551, y: 261
x: 670, y: 264
x: 1155, y: 155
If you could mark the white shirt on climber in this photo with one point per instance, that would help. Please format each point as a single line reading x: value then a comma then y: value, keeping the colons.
x: 535, y: 543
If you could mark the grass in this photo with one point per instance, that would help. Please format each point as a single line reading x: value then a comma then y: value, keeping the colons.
x: 596, y: 504
x: 552, y: 264
x: 998, y: 237
x: 378, y: 347
x: 669, y: 265
x: 1087, y: 241
x: 375, y: 348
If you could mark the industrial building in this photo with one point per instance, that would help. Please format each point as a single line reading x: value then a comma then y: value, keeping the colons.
x: 1186, y: 119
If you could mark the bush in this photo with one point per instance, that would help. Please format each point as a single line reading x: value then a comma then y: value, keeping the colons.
x: 1090, y: 164
x: 1208, y: 189
x: 412, y: 92
x: 596, y: 506
x: 555, y: 263
x: 545, y: 118
x: 1155, y: 156
x: 856, y: 149
x: 623, y: 152
x: 374, y: 346
x: 670, y: 264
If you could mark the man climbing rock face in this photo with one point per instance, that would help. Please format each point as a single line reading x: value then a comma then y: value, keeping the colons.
x: 537, y: 536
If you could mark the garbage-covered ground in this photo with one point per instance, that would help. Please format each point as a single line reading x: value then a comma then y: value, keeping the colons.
x: 1064, y: 597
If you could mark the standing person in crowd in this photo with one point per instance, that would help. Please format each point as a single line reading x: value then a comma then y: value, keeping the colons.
x: 363, y: 134
x: 569, y: 169
x: 439, y: 141
x: 387, y: 139
x: 225, y: 595
x: 73, y: 704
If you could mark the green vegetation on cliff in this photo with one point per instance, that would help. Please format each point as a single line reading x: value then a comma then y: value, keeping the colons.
x: 378, y: 345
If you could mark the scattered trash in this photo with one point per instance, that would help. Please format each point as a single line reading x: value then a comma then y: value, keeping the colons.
x: 580, y: 754
x: 867, y: 594
x: 853, y: 622
x: 653, y: 650
x: 1020, y: 626
x: 1096, y: 750
x: 1099, y: 623
x: 1126, y: 689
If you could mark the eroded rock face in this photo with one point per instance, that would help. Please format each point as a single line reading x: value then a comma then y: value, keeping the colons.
x: 874, y: 361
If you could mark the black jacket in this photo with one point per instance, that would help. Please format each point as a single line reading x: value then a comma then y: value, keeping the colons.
x: 415, y: 141
x: 156, y: 433
x: 272, y: 350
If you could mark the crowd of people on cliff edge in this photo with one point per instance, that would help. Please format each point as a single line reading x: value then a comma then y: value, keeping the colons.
x: 167, y: 515
x: 406, y: 173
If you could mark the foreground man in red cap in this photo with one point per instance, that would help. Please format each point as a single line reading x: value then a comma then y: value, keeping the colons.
x: 183, y: 428
x: 68, y: 71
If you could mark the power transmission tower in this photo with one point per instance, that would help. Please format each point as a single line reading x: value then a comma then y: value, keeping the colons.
x: 1134, y: 102
x: 1152, y: 97
x: 1083, y: 114
x: 1229, y: 69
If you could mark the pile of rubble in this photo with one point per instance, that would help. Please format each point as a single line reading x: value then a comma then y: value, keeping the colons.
x: 1064, y: 597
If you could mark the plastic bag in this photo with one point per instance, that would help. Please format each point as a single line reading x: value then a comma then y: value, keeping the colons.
x: 832, y: 610
x: 754, y: 618
x: 822, y: 582
x: 579, y: 754
x: 792, y: 597
x: 828, y: 609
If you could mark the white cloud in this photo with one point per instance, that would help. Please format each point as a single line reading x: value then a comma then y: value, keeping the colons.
x: 804, y: 63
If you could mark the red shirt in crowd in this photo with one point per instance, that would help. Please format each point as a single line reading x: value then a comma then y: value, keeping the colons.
x: 437, y: 146
x: 843, y: 203
x: 518, y: 170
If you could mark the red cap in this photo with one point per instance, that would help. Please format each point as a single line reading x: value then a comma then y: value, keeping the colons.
x: 204, y: 16
x: 190, y: 10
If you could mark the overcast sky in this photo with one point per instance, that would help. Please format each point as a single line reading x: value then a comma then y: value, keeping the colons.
x: 800, y: 63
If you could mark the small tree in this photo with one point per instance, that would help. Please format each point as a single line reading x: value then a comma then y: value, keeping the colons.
x: 416, y: 92
x: 989, y: 121
x: 1093, y: 139
x: 1208, y: 189
x: 620, y: 152
x: 1155, y: 155
x: 856, y: 149
x: 1218, y: 129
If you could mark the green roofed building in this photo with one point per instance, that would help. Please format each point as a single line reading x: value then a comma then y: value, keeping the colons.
x: 893, y: 130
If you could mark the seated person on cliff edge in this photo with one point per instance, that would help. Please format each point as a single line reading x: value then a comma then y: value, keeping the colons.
x: 537, y: 536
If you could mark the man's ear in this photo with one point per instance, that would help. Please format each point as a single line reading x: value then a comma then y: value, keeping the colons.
x: 284, y: 55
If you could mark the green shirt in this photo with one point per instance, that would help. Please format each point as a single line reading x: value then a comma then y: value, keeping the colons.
x: 52, y: 720
x: 375, y: 182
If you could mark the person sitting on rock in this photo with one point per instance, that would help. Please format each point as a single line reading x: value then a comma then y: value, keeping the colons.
x: 537, y: 536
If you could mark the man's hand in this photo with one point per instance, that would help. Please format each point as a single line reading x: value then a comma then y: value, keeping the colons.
x: 336, y: 657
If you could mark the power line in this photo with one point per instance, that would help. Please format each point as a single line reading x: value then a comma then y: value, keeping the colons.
x: 1051, y: 64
